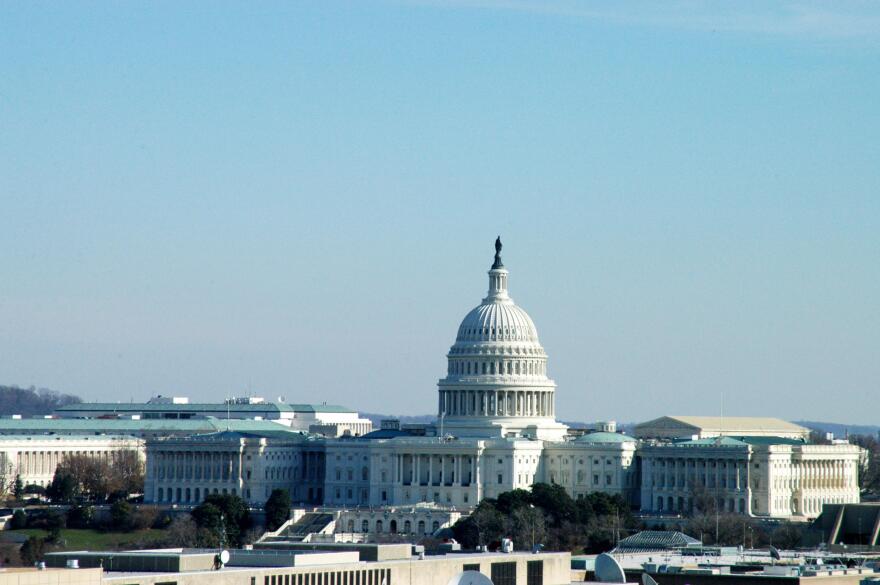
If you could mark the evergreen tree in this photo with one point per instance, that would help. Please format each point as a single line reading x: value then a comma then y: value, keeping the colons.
x: 277, y: 509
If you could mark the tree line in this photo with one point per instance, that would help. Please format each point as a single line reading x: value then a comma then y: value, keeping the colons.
x: 220, y: 521
x: 546, y: 515
x: 32, y: 401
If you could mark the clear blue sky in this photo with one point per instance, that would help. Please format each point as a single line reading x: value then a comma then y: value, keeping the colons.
x: 300, y: 199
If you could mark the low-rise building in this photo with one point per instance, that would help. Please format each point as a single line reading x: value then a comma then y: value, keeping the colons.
x: 417, y: 520
x: 298, y: 417
x: 184, y: 470
x: 312, y: 564
x: 33, y: 458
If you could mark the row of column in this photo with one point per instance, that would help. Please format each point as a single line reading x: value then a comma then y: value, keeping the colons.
x: 678, y: 472
x: 455, y: 470
x: 198, y: 465
x: 507, y: 367
x: 45, y: 462
x: 496, y: 403
x: 823, y: 475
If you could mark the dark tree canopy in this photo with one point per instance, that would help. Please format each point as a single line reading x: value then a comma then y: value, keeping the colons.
x: 547, y: 515
x: 277, y: 508
x: 32, y: 401
x: 226, y: 515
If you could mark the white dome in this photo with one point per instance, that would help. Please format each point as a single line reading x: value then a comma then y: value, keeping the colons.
x: 497, y: 321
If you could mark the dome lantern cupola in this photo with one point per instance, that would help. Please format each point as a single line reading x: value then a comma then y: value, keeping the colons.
x: 497, y: 278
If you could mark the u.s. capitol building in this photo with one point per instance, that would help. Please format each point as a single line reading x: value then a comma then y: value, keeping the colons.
x: 496, y: 431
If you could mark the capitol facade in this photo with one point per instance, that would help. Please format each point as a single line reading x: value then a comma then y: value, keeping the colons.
x: 496, y: 430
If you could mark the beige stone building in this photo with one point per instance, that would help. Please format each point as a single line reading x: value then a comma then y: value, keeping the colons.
x: 35, y: 457
x: 702, y: 427
x: 758, y: 476
x: 184, y: 470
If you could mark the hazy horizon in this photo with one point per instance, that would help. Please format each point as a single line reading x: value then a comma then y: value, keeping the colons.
x: 300, y: 200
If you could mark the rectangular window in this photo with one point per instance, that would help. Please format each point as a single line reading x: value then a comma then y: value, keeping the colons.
x: 500, y: 481
x: 535, y: 573
x: 253, y: 581
x: 266, y: 580
x: 504, y: 573
x: 471, y: 567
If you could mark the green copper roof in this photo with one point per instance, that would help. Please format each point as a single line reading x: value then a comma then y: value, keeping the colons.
x: 741, y: 441
x: 771, y: 441
x: 195, y: 408
x: 712, y: 442
x: 97, y: 426
x: 238, y: 434
x: 605, y: 438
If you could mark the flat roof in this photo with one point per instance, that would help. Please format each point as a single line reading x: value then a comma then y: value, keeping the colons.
x: 110, y: 574
x: 135, y: 407
x: 743, y: 424
x: 98, y: 426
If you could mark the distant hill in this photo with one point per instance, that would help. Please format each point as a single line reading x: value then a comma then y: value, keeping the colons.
x: 839, y: 429
x: 32, y: 401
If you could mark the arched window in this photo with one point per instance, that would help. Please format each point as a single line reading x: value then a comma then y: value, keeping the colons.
x: 421, y: 527
x: 198, y: 497
x: 365, y: 474
x: 435, y: 526
x: 351, y: 525
x: 161, y: 494
x: 365, y: 526
x: 407, y: 526
x: 378, y: 526
x: 392, y: 527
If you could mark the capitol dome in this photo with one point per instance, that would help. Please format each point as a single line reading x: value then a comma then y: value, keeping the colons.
x: 497, y: 321
x: 497, y: 369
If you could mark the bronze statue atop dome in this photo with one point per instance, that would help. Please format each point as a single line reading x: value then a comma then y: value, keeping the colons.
x: 497, y: 263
